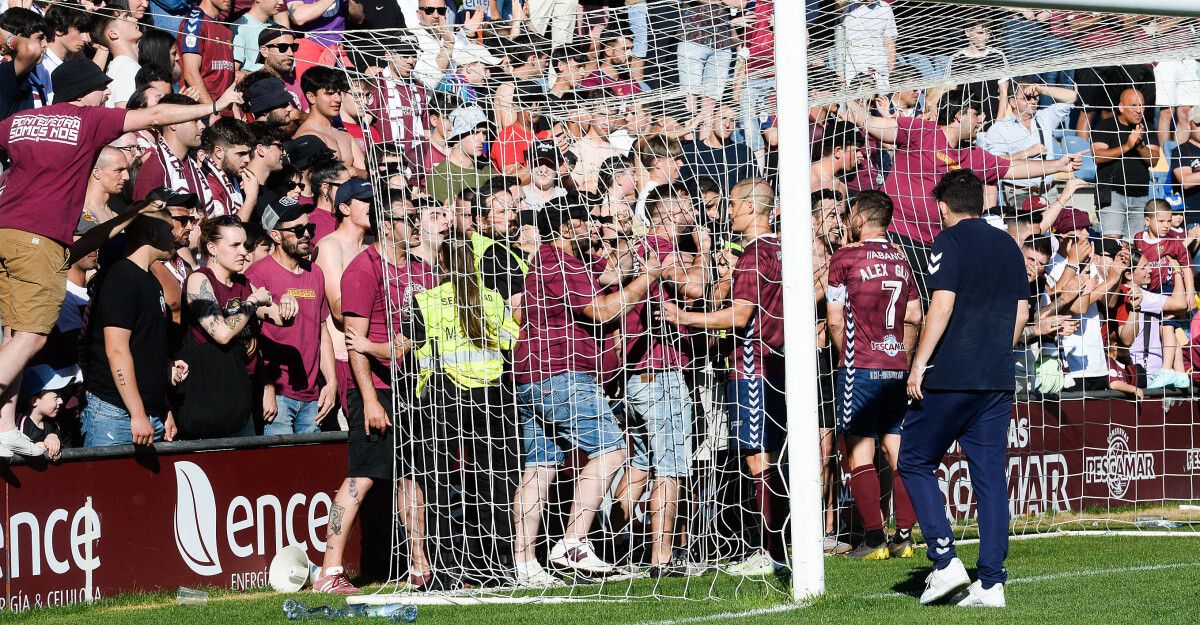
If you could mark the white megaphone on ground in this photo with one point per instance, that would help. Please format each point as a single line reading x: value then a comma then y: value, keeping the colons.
x: 291, y: 570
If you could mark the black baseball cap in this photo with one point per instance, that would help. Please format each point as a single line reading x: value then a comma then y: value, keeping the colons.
x: 282, y: 210
x: 266, y: 95
x: 353, y: 189
x: 76, y: 78
x: 559, y: 211
x: 170, y: 197
x: 303, y: 151
x: 546, y: 153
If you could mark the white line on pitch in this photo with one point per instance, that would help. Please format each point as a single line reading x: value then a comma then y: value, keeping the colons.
x: 787, y: 607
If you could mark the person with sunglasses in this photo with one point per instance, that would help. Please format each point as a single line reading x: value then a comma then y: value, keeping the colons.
x: 292, y: 399
x: 262, y: 14
x: 276, y: 48
x: 1028, y: 133
x: 172, y: 273
x: 266, y: 158
x: 437, y: 39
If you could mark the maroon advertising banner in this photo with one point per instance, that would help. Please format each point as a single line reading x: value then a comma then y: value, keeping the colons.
x: 213, y: 518
x: 1071, y: 454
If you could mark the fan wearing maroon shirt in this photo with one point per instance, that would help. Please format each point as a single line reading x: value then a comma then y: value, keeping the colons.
x: 758, y: 411
x: 926, y: 151
x: 53, y: 149
x: 206, y: 49
x: 374, y: 429
x: 556, y: 367
x: 873, y: 316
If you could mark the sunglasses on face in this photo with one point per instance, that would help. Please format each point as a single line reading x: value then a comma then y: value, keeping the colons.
x: 284, y: 48
x: 293, y: 184
x: 301, y: 231
x: 432, y: 10
x: 186, y: 220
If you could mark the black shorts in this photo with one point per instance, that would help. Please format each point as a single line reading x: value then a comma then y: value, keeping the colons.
x: 371, y: 455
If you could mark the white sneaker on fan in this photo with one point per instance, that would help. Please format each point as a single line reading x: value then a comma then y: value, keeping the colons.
x: 579, y: 556
x: 532, y: 575
x: 14, y: 441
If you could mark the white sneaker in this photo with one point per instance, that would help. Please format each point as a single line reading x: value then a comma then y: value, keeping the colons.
x: 943, y: 582
x: 579, y: 556
x: 977, y: 596
x: 532, y: 575
x: 15, y: 441
x: 757, y: 565
x: 834, y: 546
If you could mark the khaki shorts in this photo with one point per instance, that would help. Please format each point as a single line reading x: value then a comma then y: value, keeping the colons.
x: 33, y: 281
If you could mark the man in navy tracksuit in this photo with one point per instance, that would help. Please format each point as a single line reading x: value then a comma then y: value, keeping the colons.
x: 962, y: 383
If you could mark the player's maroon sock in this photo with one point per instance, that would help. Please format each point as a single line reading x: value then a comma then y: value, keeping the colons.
x: 864, y: 486
x: 763, y: 500
x: 906, y: 516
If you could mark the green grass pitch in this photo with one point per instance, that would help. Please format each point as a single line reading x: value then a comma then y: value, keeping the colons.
x: 1085, y: 579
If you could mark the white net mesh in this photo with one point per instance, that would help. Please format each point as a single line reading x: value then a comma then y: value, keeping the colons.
x: 618, y: 434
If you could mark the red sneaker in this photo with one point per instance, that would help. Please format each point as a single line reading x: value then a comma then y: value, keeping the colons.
x: 336, y: 584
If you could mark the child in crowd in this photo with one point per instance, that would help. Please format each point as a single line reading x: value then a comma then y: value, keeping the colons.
x: 40, y: 406
x: 1158, y: 248
x: 1122, y: 375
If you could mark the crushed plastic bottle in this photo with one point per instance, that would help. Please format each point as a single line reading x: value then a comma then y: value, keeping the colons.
x: 394, y: 612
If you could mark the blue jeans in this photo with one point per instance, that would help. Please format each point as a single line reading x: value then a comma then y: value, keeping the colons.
x: 755, y: 106
x: 572, y: 406
x: 978, y: 420
x: 665, y: 406
x: 292, y: 417
x: 703, y: 70
x: 106, y: 424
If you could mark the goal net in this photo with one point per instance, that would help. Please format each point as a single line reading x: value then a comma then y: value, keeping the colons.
x: 604, y: 428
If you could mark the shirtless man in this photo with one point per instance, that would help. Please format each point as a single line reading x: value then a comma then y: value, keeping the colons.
x: 172, y: 273
x: 839, y: 155
x: 109, y: 177
x: 324, y: 88
x: 334, y: 253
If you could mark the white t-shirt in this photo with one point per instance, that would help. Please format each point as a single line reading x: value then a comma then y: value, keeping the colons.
x: 866, y: 25
x: 1082, y: 353
x: 123, y: 72
x: 1177, y: 82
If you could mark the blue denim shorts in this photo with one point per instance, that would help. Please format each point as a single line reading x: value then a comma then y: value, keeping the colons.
x: 105, y: 424
x: 664, y: 406
x: 870, y: 402
x: 570, y: 407
x: 293, y: 416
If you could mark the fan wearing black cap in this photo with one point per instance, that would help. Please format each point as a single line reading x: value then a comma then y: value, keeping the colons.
x: 57, y: 143
x: 292, y: 355
x: 269, y: 101
x: 469, y: 132
x: 275, y: 48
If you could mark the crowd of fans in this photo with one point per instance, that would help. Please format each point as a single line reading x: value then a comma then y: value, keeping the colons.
x: 238, y: 218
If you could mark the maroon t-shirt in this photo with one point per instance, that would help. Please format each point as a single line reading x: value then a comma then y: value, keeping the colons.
x: 363, y: 296
x: 324, y: 221
x: 213, y: 41
x: 556, y: 337
x: 53, y: 149
x: 292, y: 353
x: 1156, y: 254
x: 655, y: 347
x: 923, y: 156
x: 875, y: 284
x: 757, y: 278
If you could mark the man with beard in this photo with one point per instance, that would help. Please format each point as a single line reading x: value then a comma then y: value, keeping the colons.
x: 170, y: 164
x: 556, y: 366
x: 324, y: 88
x: 275, y: 48
x: 927, y: 150
x: 172, y: 272
x: 269, y: 102
x: 227, y: 142
x: 266, y: 157
x: 293, y: 401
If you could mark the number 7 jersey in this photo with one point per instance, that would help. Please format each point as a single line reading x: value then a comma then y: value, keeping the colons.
x: 875, y: 284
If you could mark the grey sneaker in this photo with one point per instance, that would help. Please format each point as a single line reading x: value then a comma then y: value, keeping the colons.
x: 832, y: 545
